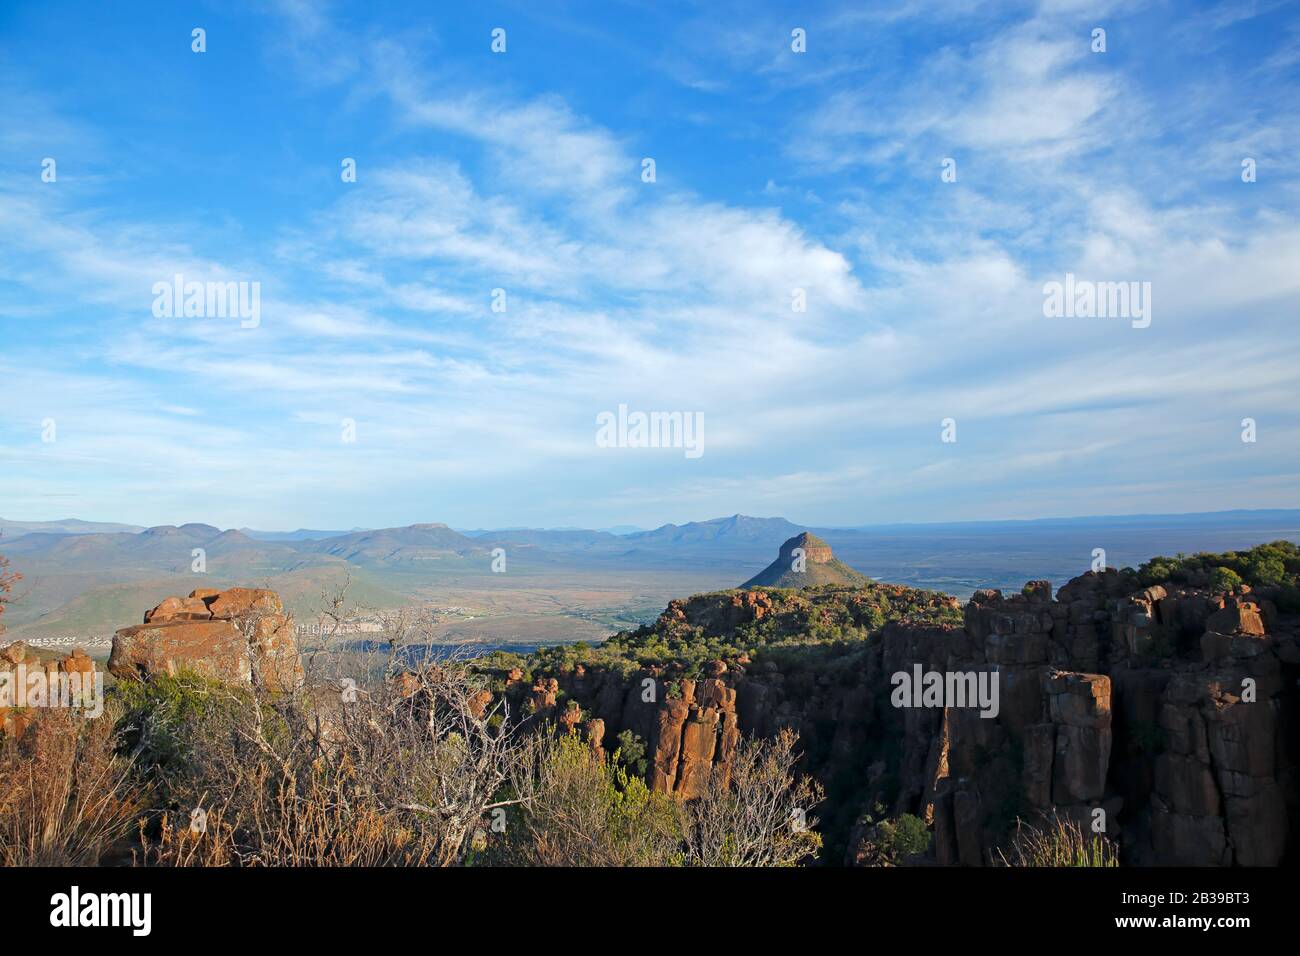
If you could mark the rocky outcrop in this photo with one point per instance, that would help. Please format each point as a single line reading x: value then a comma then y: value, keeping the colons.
x: 20, y: 660
x: 237, y: 636
x: 1164, y: 716
x: 803, y: 561
x: 1218, y: 792
x: 695, y: 735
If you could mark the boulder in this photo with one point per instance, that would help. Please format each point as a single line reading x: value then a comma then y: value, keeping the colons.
x: 179, y: 609
x: 570, y: 719
x: 215, y: 649
x: 14, y: 654
x: 479, y: 702
x: 544, y: 693
x: 248, y: 639
x: 78, y: 662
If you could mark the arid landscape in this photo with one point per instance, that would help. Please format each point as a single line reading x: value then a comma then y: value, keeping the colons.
x: 1139, y: 716
x: 554, y: 586
x: 620, y: 470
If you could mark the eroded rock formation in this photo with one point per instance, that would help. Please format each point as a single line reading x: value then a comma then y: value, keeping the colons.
x: 238, y: 636
x: 20, y: 659
x: 1165, y: 716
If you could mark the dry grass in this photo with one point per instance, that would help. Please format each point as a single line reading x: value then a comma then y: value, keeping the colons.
x: 1059, y: 842
x: 583, y: 810
x: 400, y: 773
x: 66, y: 797
x: 368, y: 764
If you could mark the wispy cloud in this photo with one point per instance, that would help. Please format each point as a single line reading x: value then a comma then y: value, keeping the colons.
x: 487, y: 181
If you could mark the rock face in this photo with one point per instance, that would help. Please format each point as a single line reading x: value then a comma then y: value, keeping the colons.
x: 238, y: 636
x: 14, y: 721
x: 695, y: 733
x: 803, y: 561
x: 1165, y: 716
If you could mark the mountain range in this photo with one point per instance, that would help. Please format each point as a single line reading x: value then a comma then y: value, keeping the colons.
x: 81, y: 576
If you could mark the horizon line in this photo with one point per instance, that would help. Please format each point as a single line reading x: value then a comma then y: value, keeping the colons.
x: 569, y: 528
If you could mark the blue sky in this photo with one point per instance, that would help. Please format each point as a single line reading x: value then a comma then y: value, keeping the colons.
x: 522, y: 171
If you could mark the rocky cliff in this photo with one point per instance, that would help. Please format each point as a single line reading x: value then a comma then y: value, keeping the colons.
x: 1165, y: 716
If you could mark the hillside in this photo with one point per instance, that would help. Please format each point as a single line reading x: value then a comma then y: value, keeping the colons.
x: 738, y: 532
x: 1156, y: 704
x: 13, y: 529
x: 557, y: 576
x: 1119, y: 692
x: 99, y: 611
x: 416, y: 543
x: 805, y: 561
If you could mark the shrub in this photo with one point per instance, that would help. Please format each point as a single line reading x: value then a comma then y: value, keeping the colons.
x: 761, y: 815
x: 66, y: 797
x: 631, y: 753
x: 158, y: 716
x: 891, y: 841
x: 1225, y: 579
x: 577, y: 809
x: 1264, y: 565
x: 1059, y: 842
x: 405, y: 774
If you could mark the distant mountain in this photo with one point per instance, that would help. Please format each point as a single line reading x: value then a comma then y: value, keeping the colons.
x: 1198, y: 520
x: 415, y: 543
x: 737, y: 533
x: 815, y: 565
x: 553, y: 540
x: 165, y: 547
x: 98, y: 611
x: 302, y: 534
x: 12, y: 529
x: 60, y: 564
x: 59, y: 568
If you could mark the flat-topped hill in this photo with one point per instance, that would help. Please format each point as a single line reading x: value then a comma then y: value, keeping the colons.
x: 805, y: 561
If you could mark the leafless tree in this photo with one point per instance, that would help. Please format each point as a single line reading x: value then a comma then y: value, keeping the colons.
x: 761, y: 816
x: 401, y: 771
x: 7, y: 581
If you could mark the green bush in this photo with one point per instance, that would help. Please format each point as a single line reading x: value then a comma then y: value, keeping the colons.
x: 905, y: 835
x: 631, y: 753
x: 581, y: 810
x: 1225, y: 579
x: 890, y: 841
x: 1262, y: 566
x: 159, y: 714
